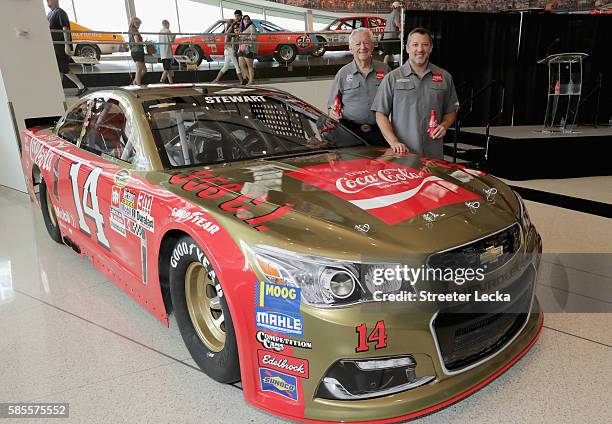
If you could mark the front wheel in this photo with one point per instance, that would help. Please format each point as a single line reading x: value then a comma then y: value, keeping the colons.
x: 202, y: 313
x: 286, y: 53
x: 48, y: 213
x: 88, y: 51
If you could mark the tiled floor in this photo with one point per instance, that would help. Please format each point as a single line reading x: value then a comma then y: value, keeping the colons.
x: 69, y: 335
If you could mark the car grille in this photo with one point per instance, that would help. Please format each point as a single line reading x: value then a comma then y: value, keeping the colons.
x: 474, y: 255
x: 467, y: 338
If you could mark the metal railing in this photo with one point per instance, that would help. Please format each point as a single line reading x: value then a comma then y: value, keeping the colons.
x: 470, y: 102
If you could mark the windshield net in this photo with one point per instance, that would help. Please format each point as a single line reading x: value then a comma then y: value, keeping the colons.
x: 208, y: 129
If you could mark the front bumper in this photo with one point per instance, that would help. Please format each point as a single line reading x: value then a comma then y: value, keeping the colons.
x: 334, y: 337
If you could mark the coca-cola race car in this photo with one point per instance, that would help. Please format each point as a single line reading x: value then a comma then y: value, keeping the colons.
x: 335, y: 36
x: 274, y: 43
x: 295, y: 257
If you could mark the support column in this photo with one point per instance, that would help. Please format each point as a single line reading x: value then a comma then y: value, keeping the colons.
x: 308, y: 21
x: 130, y: 9
x: 30, y: 84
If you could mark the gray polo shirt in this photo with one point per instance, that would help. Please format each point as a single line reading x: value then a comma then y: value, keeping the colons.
x: 358, y: 92
x: 409, y: 101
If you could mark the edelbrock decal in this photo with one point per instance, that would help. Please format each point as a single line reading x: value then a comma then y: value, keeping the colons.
x: 293, y: 366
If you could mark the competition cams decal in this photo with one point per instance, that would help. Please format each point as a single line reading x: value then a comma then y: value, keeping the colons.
x: 278, y: 343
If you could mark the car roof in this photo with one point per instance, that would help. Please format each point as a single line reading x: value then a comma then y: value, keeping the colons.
x: 164, y: 91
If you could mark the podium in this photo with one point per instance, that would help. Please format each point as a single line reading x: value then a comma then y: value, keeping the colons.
x: 564, y: 90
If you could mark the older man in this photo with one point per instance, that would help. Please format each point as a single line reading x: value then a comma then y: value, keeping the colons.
x: 421, y: 99
x: 58, y: 20
x: 355, y: 87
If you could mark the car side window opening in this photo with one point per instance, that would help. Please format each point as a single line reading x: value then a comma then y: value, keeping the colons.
x: 219, y: 28
x: 347, y: 26
x: 270, y: 27
x: 358, y: 23
x: 374, y: 23
x: 196, y: 131
x: 72, y: 126
x: 108, y: 132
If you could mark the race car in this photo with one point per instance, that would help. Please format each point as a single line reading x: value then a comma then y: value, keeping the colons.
x: 93, y: 44
x: 275, y: 43
x: 605, y: 9
x: 335, y: 36
x: 295, y: 257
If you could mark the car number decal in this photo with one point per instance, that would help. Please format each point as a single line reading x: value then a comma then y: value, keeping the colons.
x: 90, y: 190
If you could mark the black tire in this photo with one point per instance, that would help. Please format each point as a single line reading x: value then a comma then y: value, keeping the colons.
x: 48, y: 213
x: 189, y: 276
x: 193, y: 52
x: 88, y: 50
x: 265, y: 59
x: 320, y: 48
x: 285, y: 53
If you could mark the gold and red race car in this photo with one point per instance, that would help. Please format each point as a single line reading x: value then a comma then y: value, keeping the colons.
x: 274, y: 43
x: 335, y: 36
x: 338, y: 281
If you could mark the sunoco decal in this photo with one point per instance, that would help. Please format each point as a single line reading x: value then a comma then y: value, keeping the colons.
x: 279, y: 383
x: 292, y: 366
x: 278, y: 296
x: 389, y: 191
x: 279, y: 322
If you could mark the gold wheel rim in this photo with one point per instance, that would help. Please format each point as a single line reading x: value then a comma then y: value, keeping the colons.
x: 50, y: 210
x: 204, y: 306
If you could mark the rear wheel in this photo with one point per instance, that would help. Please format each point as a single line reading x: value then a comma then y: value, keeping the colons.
x: 286, y: 53
x: 202, y: 313
x: 48, y: 213
x: 320, y: 48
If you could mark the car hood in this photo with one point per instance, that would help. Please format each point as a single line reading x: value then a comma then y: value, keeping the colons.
x: 355, y: 198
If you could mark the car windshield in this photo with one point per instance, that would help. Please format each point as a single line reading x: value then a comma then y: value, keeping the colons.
x: 234, y: 125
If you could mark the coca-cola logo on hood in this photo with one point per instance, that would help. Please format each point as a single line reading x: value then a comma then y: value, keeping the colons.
x: 387, y: 190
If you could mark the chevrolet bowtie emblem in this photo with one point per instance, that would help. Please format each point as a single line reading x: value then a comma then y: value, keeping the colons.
x: 491, y: 254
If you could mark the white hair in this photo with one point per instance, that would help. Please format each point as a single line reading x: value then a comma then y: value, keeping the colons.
x: 357, y: 31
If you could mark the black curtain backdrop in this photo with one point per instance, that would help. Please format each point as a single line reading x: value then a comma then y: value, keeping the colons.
x: 477, y: 48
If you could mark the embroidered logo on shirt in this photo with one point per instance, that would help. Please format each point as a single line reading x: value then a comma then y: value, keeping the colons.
x: 380, y: 74
x: 436, y: 78
x: 349, y: 78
